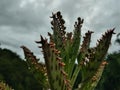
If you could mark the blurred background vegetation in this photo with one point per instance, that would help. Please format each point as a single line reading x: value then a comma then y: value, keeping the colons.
x: 110, y: 79
x: 14, y: 71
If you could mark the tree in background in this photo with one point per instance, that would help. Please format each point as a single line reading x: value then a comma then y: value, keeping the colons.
x: 14, y: 71
x: 118, y: 39
x: 111, y: 76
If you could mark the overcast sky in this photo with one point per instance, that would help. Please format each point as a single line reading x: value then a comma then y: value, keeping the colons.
x: 22, y: 21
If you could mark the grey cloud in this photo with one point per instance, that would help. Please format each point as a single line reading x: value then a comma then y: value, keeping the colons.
x: 22, y: 21
x: 12, y: 14
x: 14, y: 42
x: 97, y: 14
x: 104, y: 15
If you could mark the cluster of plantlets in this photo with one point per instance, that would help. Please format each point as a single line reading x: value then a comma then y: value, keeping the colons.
x: 4, y: 86
x: 60, y: 72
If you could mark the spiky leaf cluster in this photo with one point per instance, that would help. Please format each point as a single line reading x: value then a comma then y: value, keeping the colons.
x: 4, y: 86
x: 63, y: 50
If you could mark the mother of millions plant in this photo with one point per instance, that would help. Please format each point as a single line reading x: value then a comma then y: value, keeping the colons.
x: 62, y: 51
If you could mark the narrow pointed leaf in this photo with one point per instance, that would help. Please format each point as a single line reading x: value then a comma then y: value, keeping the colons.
x: 55, y: 67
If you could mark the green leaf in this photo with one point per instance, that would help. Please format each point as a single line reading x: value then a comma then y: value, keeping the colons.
x: 55, y: 67
x: 38, y: 69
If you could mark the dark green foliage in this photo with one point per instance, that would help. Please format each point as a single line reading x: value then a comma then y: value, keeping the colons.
x: 118, y: 39
x: 111, y: 76
x: 38, y: 69
x: 14, y: 71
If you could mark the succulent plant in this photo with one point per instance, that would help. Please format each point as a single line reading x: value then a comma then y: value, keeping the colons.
x: 4, y: 86
x: 60, y: 71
